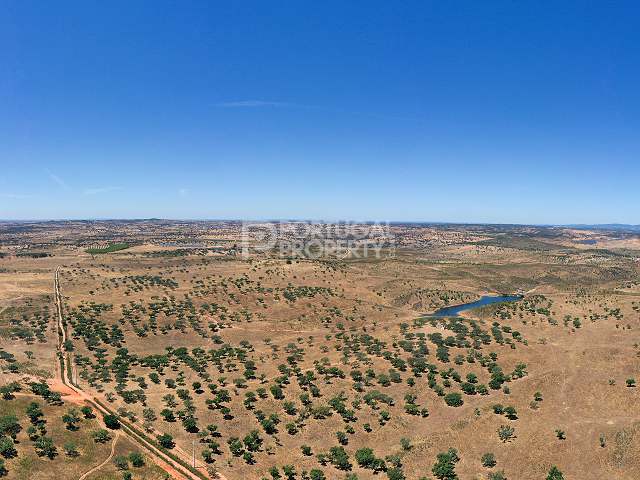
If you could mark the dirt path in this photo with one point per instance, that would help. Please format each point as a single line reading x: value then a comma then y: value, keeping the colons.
x: 98, y: 467
x: 68, y: 394
x: 177, y: 471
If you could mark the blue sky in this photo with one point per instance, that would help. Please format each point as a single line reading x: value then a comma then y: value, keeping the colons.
x: 525, y: 112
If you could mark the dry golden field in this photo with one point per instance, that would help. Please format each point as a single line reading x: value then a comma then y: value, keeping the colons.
x: 272, y: 367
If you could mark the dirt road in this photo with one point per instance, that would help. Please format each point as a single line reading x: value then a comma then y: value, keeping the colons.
x: 98, y: 467
x: 164, y: 461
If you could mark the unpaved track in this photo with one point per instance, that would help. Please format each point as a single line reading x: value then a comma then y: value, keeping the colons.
x: 177, y: 471
x: 98, y: 467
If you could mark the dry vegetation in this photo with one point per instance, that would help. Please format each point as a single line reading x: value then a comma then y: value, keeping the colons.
x: 301, y: 368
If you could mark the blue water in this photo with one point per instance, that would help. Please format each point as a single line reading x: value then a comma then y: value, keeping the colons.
x: 454, y: 310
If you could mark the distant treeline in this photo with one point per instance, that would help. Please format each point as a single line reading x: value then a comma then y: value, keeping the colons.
x: 109, y: 249
x: 181, y: 252
x: 33, y: 254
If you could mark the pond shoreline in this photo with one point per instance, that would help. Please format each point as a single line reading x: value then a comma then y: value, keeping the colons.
x: 455, y: 310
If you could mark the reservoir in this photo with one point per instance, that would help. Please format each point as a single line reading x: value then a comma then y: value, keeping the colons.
x: 454, y: 310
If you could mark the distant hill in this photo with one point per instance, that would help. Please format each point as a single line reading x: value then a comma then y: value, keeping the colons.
x: 618, y: 227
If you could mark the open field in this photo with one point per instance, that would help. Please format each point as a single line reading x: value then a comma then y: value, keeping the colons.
x: 75, y: 454
x: 271, y: 367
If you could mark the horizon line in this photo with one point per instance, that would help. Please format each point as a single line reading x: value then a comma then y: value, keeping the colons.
x: 320, y: 221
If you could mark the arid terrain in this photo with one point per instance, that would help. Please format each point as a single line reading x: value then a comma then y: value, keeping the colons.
x: 159, y: 349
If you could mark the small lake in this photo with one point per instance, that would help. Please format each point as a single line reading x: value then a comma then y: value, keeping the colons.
x: 454, y: 310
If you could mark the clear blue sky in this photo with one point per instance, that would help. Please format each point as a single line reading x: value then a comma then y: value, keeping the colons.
x: 475, y: 111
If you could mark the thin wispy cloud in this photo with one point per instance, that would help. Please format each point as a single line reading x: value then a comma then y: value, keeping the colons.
x: 15, y: 195
x: 99, y: 190
x: 56, y: 179
x: 255, y: 104
x: 183, y: 192
x: 320, y: 108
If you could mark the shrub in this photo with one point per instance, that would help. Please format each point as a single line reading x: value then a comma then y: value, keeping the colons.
x: 276, y: 391
x: 555, y: 474
x: 87, y: 412
x: 365, y: 457
x: 506, y: 433
x: 121, y: 462
x: 235, y: 446
x: 497, y: 476
x: 7, y: 448
x: 111, y: 421
x: 395, y: 473
x: 445, y: 466
x: 275, y: 474
x: 316, y: 474
x: 511, y: 413
x: 101, y: 436
x: 405, y: 443
x: 453, y: 399
x: 9, y: 425
x: 339, y: 458
x: 136, y: 458
x: 45, y: 447
x: 166, y: 441
x: 70, y: 449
